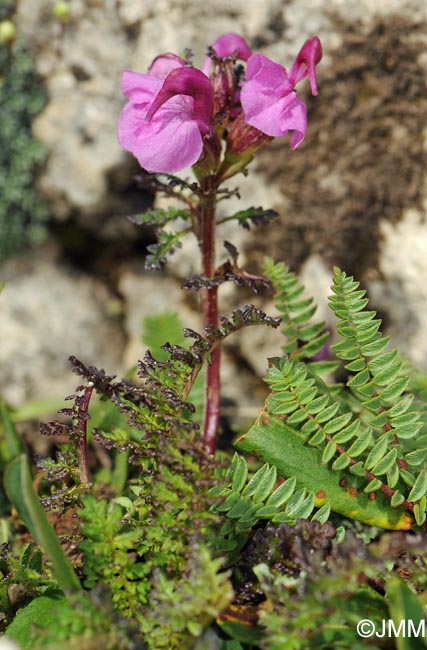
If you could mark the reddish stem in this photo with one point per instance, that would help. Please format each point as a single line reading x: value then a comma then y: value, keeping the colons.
x: 210, y: 312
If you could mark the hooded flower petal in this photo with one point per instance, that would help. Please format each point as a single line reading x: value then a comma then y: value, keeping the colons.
x: 167, y: 143
x: 164, y: 64
x: 228, y: 45
x: 268, y: 98
x: 305, y: 64
x: 163, y: 122
x: 191, y: 83
x: 269, y: 102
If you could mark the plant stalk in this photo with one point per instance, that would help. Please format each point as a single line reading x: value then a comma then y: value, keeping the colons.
x: 209, y: 303
x: 84, y: 463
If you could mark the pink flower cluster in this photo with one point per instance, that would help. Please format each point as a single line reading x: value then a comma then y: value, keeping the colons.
x: 176, y: 114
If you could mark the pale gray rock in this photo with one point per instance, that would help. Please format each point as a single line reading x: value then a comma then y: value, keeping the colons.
x: 150, y: 294
x: 46, y: 315
x: 401, y: 290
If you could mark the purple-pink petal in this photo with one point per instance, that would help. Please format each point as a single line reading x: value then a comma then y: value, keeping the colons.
x: 269, y: 102
x: 169, y: 142
x: 229, y: 44
x: 305, y: 64
x: 165, y: 63
x: 140, y: 88
x: 192, y: 83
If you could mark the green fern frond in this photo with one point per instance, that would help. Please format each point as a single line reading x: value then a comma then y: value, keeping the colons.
x: 378, y: 379
x: 360, y: 455
x: 304, y: 339
x: 245, y: 502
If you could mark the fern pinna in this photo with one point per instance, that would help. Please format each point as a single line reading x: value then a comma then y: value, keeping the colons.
x: 359, y: 448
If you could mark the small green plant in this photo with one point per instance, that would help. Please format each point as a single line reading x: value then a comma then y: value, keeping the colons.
x: 138, y: 533
x: 22, y: 97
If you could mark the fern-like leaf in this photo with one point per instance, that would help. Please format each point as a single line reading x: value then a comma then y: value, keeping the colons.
x: 303, y: 338
x: 244, y: 502
x: 358, y: 454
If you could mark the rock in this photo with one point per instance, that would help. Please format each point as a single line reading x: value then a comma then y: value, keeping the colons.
x: 148, y: 293
x: 400, y: 292
x: 48, y: 314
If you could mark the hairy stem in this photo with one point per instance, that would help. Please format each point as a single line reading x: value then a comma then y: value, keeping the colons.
x: 210, y: 311
x: 84, y: 464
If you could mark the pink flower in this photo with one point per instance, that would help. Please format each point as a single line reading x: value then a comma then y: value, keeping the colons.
x: 167, y: 116
x: 269, y: 101
x: 228, y: 45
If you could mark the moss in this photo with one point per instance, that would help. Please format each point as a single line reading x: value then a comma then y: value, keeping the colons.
x: 22, y: 96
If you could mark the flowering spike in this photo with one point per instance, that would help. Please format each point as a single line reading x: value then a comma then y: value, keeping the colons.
x: 305, y: 64
x: 191, y: 83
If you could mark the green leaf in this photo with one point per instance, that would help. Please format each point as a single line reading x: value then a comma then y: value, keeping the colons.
x: 360, y: 444
x: 393, y: 475
x: 357, y: 469
x: 356, y: 366
x: 286, y: 448
x: 376, y: 347
x: 394, y: 390
x: 317, y: 405
x: 252, y: 216
x: 328, y: 413
x: 239, y: 470
x: 382, y: 362
x: 341, y: 462
x: 378, y: 451
x: 385, y: 463
x: 338, y: 423
x: 14, y: 445
x: 159, y: 218
x: 416, y: 457
x: 348, y: 433
x: 360, y: 379
x: 242, y: 507
x: 329, y: 452
x: 322, y: 514
x: 397, y: 499
x: 405, y: 607
x: 373, y: 486
x: 283, y: 493
x: 419, y: 488
x: 19, y: 488
x: 420, y: 514
x: 44, y: 611
x: 401, y: 407
x: 261, y: 483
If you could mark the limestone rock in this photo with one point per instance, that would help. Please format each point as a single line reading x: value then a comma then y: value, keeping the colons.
x: 46, y: 315
x: 401, y: 290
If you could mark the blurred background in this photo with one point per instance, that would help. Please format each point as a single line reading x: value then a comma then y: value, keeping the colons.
x: 354, y: 194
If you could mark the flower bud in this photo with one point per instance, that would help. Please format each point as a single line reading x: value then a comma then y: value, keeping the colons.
x: 7, y: 31
x: 223, y: 80
x: 62, y: 11
x: 243, y: 138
